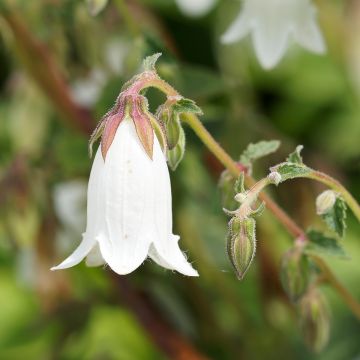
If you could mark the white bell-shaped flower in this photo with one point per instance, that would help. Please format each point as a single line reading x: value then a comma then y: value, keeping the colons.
x: 273, y: 24
x: 129, y: 209
x: 195, y: 8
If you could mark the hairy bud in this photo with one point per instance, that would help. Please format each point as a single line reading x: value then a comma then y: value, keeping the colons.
x: 325, y: 202
x: 295, y: 273
x: 315, y: 320
x: 241, y: 244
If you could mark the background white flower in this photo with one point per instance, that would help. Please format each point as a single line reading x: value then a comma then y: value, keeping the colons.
x: 129, y: 214
x: 273, y: 24
x: 195, y: 8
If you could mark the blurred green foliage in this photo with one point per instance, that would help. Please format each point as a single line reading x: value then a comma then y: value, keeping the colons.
x: 78, y: 313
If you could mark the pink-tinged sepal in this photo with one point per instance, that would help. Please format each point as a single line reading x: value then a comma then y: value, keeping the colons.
x: 97, y: 133
x: 112, y: 122
x: 141, y: 117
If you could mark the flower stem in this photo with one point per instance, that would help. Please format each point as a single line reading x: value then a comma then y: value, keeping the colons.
x: 193, y: 121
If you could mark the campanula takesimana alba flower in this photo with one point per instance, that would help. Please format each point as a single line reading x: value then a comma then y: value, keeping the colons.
x: 129, y: 208
x: 273, y: 25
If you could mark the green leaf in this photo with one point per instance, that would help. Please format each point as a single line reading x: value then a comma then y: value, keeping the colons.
x: 296, y: 157
x: 258, y: 150
x: 150, y: 61
x: 186, y: 106
x: 321, y: 244
x: 336, y: 216
x: 291, y: 170
x: 96, y: 6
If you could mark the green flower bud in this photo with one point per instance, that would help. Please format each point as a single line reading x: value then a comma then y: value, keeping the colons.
x: 241, y: 244
x: 294, y: 273
x: 175, y: 155
x: 325, y: 202
x: 315, y: 320
x: 173, y: 129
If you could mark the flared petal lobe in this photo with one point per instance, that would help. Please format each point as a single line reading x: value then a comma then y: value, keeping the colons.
x: 166, y: 249
x: 273, y: 24
x: 94, y: 214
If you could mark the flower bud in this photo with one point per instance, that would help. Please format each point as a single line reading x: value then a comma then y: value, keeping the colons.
x: 241, y: 244
x: 294, y: 273
x: 274, y: 177
x: 175, y: 155
x: 315, y: 320
x: 172, y: 130
x: 240, y: 197
x: 325, y: 202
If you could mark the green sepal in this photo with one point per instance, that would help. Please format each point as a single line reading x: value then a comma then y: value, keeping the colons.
x: 150, y: 62
x: 295, y: 157
x: 186, y: 106
x: 240, y: 183
x: 159, y: 132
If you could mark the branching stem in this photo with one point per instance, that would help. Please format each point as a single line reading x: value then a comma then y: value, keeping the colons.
x: 285, y: 220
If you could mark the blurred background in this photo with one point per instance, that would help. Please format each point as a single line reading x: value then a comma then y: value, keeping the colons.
x: 62, y: 65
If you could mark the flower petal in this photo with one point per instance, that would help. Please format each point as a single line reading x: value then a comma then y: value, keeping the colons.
x: 94, y: 214
x: 237, y: 30
x: 165, y: 243
x: 270, y: 41
x: 307, y: 32
x: 195, y: 7
x: 128, y: 185
x: 94, y: 257
x: 171, y: 257
x: 78, y: 255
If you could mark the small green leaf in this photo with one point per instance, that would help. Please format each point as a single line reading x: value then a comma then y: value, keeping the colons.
x: 96, y: 6
x: 175, y: 155
x: 291, y: 170
x: 336, y: 216
x: 257, y: 151
x: 186, y: 106
x: 296, y: 157
x: 321, y: 244
x: 150, y: 61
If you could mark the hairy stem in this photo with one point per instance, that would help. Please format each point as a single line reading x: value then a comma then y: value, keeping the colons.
x: 285, y: 220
